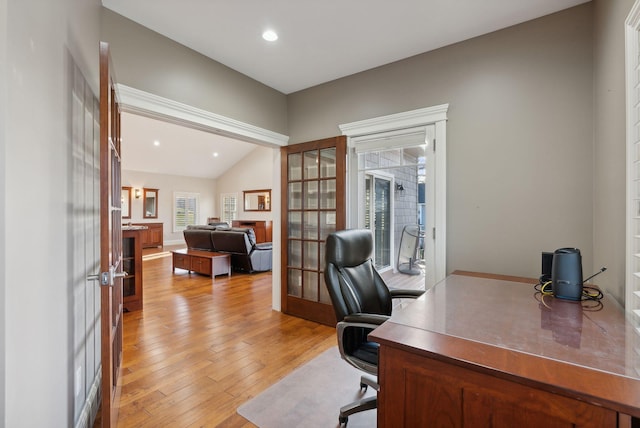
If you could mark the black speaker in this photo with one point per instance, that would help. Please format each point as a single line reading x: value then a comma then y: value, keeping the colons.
x: 566, y: 274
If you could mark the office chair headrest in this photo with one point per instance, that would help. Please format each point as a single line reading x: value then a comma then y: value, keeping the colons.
x: 349, y: 247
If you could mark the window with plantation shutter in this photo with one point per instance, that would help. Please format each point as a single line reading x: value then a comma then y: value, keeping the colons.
x: 229, y: 207
x: 185, y: 210
x: 632, y: 42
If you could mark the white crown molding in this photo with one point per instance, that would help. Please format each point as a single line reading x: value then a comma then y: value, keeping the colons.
x: 140, y: 102
x: 633, y: 19
x: 408, y: 119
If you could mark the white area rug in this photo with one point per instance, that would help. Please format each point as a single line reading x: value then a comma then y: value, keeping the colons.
x: 311, y: 397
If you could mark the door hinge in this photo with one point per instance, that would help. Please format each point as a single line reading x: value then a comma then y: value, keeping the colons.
x: 434, y: 144
x: 433, y: 233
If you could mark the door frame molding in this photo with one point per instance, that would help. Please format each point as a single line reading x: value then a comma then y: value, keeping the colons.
x: 399, y: 124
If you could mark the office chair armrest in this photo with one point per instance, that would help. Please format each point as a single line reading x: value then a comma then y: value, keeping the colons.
x: 405, y: 294
x: 371, y: 320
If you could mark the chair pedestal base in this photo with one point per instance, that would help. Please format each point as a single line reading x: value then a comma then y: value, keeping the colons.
x: 368, y: 403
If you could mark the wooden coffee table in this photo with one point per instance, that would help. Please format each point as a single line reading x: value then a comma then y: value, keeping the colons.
x: 204, y: 262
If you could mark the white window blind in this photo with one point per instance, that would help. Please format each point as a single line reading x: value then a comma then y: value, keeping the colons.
x: 229, y: 207
x: 185, y: 210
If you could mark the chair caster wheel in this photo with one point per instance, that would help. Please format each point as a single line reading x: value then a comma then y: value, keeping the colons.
x: 343, y: 420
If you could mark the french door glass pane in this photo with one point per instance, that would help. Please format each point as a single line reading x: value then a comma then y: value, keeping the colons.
x: 311, y: 195
x: 310, y: 282
x: 295, y: 253
x: 328, y: 194
x: 327, y: 223
x: 311, y: 255
x: 295, y: 166
x: 295, y: 196
x: 324, y: 293
x: 382, y: 230
x: 295, y: 224
x: 310, y: 165
x: 310, y: 225
x: 294, y: 286
x: 328, y: 163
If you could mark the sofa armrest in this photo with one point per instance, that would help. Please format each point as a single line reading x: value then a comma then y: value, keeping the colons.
x: 264, y: 246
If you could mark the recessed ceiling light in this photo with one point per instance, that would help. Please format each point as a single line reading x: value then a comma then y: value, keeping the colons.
x: 156, y: 143
x: 215, y: 154
x: 270, y: 36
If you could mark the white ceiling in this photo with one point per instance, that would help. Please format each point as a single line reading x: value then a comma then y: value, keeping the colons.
x: 180, y: 151
x: 324, y: 40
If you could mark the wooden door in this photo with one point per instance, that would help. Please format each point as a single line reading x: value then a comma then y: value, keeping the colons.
x: 313, y: 205
x: 110, y: 242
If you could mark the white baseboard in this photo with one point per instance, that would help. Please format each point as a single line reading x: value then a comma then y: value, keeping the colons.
x: 175, y: 242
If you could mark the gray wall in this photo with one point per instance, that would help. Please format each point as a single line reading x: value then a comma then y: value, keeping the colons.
x: 145, y: 60
x: 519, y: 135
x: 42, y: 315
x: 609, y: 138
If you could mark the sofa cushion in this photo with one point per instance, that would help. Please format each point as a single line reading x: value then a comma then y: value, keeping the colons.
x: 198, y: 239
x: 249, y: 231
x: 231, y: 241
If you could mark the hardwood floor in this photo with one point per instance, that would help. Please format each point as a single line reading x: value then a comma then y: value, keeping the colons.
x: 199, y: 349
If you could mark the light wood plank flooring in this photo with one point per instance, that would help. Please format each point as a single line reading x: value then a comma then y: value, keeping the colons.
x: 199, y: 348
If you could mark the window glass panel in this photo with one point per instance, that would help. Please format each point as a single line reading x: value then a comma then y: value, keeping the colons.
x: 295, y: 166
x: 311, y: 195
x: 295, y: 196
x: 328, y: 194
x: 295, y: 224
x: 328, y: 162
x: 310, y: 291
x: 311, y: 255
x: 294, y: 286
x: 295, y: 253
x: 310, y: 164
x: 311, y: 225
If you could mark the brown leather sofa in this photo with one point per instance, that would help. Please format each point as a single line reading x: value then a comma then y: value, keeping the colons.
x: 240, y: 243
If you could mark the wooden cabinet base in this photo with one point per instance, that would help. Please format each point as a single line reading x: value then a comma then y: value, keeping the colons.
x: 203, y: 262
x: 420, y: 391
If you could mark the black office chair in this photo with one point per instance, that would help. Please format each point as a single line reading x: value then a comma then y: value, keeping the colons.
x: 361, y: 301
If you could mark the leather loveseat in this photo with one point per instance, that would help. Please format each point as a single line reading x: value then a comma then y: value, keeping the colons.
x: 246, y: 255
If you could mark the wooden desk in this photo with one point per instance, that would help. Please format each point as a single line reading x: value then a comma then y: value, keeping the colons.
x: 204, y: 262
x: 476, y: 352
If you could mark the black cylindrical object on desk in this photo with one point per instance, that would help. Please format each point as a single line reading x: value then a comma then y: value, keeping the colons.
x: 566, y: 274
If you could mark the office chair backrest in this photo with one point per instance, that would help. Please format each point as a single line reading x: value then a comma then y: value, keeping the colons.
x: 352, y: 280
